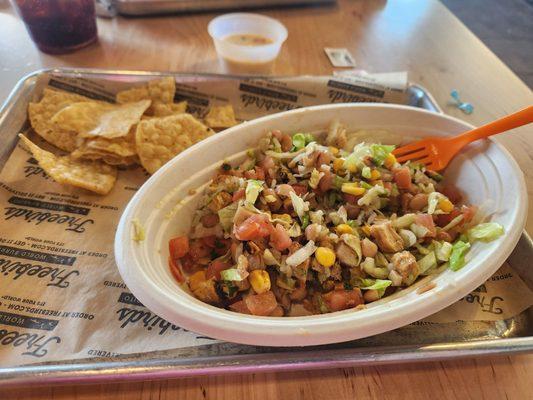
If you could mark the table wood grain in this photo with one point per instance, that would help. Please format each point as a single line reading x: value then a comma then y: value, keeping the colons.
x: 420, y: 36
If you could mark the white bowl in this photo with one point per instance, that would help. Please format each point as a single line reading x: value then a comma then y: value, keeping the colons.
x: 485, y: 171
x: 247, y: 23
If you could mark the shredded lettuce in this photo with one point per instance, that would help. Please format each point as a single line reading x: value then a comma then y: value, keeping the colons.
x: 366, y: 173
x: 253, y: 188
x: 380, y: 152
x: 269, y: 258
x: 298, y: 204
x: 365, y: 185
x: 427, y: 262
x: 316, y: 217
x: 404, y: 221
x: 457, y: 257
x: 300, y: 140
x: 355, y: 158
x: 315, y: 178
x: 485, y: 232
x: 371, y: 196
x: 419, y: 230
x: 226, y: 215
x: 232, y: 274
x: 295, y: 230
x: 300, y: 255
x: 338, y: 181
x: 433, y: 201
x: 408, y: 237
x: 375, y: 284
x: 443, y: 250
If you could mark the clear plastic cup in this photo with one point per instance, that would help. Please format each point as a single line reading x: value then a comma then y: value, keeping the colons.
x: 225, y: 26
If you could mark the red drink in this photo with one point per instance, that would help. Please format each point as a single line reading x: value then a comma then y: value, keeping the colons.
x: 59, y: 26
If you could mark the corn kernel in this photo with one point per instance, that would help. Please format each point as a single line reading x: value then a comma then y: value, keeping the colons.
x: 375, y: 174
x: 325, y: 257
x: 352, y: 168
x: 366, y: 230
x: 333, y: 150
x: 196, y: 279
x: 390, y: 161
x: 260, y: 281
x: 338, y: 164
x: 352, y: 188
x: 343, y: 228
x: 446, y: 205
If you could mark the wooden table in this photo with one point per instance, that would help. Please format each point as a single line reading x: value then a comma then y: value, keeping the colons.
x: 420, y: 36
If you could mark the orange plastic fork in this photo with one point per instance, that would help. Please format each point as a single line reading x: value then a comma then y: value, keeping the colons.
x: 436, y: 152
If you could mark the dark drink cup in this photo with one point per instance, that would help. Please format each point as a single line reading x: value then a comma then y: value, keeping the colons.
x: 59, y: 26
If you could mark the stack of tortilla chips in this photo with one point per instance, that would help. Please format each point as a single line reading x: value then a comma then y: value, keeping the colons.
x: 145, y: 126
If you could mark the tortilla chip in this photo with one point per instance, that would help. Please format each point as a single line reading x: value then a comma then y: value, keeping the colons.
x: 120, y: 161
x: 159, y: 91
x: 41, y: 114
x: 220, y: 117
x: 160, y: 139
x: 124, y: 146
x: 91, y: 119
x: 118, y: 151
x: 164, y: 110
x: 94, y: 176
x: 132, y: 95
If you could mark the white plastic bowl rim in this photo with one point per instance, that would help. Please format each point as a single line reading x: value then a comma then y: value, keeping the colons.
x: 145, y: 271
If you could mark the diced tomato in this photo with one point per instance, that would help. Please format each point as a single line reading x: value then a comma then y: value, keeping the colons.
x: 452, y: 193
x: 178, y: 246
x: 239, y: 194
x: 240, y: 307
x: 426, y: 221
x: 387, y: 185
x: 254, y: 227
x: 445, y: 219
x: 209, y: 241
x: 280, y: 238
x: 198, y: 249
x: 188, y: 264
x: 402, y: 177
x: 338, y: 300
x: 175, y: 270
x: 300, y: 189
x: 261, y: 304
x: 259, y: 173
x: 214, y: 268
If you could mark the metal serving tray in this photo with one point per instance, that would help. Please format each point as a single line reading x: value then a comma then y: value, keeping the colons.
x: 408, y: 344
x: 151, y: 7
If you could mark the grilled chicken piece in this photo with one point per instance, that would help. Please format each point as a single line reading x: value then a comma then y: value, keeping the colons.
x: 387, y: 238
x: 405, y: 264
x: 220, y: 201
x: 346, y: 255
